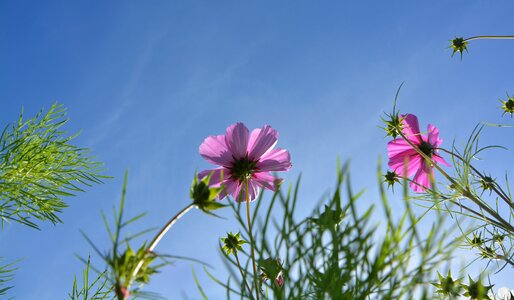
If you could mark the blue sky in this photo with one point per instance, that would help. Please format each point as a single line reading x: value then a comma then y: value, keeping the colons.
x: 146, y: 82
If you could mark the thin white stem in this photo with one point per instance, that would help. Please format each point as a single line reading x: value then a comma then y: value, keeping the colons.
x: 490, y: 37
x: 161, y: 234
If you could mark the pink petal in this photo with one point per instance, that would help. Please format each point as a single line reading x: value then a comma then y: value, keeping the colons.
x: 397, y: 164
x: 237, y: 139
x: 422, y: 178
x: 218, y: 176
x: 266, y: 180
x: 240, y: 192
x: 410, y: 127
x: 229, y: 188
x: 253, y: 137
x: 214, y: 149
x: 399, y: 146
x: 275, y: 160
x: 254, y: 190
x: 440, y: 160
x: 261, y: 141
x: 433, y: 136
x: 236, y: 194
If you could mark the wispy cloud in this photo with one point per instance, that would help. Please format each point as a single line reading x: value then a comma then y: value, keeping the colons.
x: 126, y: 100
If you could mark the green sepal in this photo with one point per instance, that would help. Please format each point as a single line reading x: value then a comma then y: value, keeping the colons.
x: 508, y: 106
x: 204, y: 196
x: 391, y: 178
x: 447, y: 285
x: 459, y: 45
x: 477, y: 290
x: 233, y: 243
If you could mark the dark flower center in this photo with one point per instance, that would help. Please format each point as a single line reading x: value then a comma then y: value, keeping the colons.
x: 426, y: 148
x: 243, y: 168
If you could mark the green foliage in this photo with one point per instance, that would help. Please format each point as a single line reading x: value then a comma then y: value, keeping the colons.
x: 128, y: 270
x: 6, y: 275
x: 492, y: 233
x: 126, y: 266
x: 39, y: 166
x: 271, y: 269
x: 340, y: 252
x: 98, y: 289
x: 329, y: 219
x: 128, y: 261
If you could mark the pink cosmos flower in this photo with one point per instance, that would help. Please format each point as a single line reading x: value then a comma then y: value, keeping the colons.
x: 244, y: 156
x: 401, y: 153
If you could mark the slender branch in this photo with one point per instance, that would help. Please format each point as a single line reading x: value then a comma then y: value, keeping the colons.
x: 465, y: 192
x: 247, y: 197
x: 161, y: 234
x: 486, y: 218
x: 243, y: 276
x: 490, y: 37
x: 505, y: 257
x: 497, y: 189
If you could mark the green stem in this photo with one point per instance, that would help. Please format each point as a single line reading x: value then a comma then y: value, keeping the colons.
x: 497, y: 189
x: 505, y: 255
x: 479, y: 215
x: 247, y: 197
x: 490, y: 37
x: 465, y: 192
x: 243, y: 276
x: 161, y: 234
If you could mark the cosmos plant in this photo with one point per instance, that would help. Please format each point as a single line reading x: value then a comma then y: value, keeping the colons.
x: 339, y: 251
x: 412, y: 152
x: 246, y: 160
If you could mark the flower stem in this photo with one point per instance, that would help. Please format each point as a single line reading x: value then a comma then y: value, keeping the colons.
x: 490, y: 37
x: 247, y: 197
x: 243, y: 276
x: 464, y: 191
x: 496, y: 188
x: 161, y: 234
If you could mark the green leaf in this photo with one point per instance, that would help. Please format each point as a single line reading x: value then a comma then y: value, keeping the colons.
x: 39, y: 167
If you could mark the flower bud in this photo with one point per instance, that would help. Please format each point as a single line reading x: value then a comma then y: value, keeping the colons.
x: 448, y: 286
x: 204, y: 196
x: 391, y: 178
x: 508, y: 105
x: 459, y: 45
x: 272, y: 269
x: 232, y: 243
